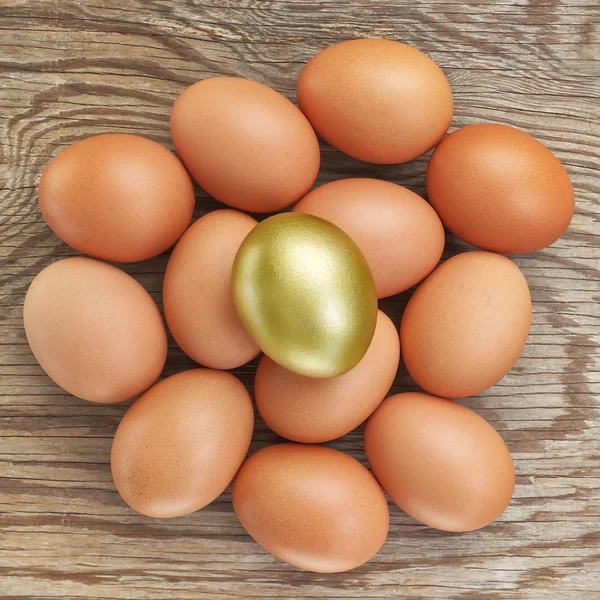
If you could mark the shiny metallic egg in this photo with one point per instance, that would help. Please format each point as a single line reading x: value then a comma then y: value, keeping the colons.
x: 305, y: 294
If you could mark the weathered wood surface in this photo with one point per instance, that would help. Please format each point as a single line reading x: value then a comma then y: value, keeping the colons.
x: 71, y: 68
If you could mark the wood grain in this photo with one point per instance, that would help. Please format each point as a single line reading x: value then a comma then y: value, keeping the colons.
x: 69, y: 69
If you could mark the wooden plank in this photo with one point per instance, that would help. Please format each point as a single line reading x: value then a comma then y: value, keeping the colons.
x: 69, y: 69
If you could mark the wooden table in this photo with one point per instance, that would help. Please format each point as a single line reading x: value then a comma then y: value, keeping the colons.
x: 72, y: 68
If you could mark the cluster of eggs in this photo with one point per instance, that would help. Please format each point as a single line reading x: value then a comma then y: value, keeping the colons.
x: 302, y: 287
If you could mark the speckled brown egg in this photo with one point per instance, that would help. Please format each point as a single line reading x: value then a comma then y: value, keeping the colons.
x: 179, y: 446
x: 466, y: 324
x: 118, y: 197
x: 377, y: 100
x: 500, y: 189
x: 318, y: 410
x: 244, y: 143
x: 197, y: 295
x: 439, y: 461
x: 399, y: 234
x: 312, y: 507
x: 95, y: 330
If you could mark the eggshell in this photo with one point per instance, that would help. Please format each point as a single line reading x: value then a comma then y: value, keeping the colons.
x: 197, y: 295
x: 318, y: 410
x: 305, y: 294
x: 95, y: 330
x: 466, y: 325
x: 400, y: 235
x: 500, y: 189
x: 439, y: 461
x: 377, y: 100
x: 244, y: 143
x: 179, y: 446
x: 312, y: 507
x: 117, y: 197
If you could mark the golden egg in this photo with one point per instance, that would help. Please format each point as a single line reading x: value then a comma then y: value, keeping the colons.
x: 305, y: 294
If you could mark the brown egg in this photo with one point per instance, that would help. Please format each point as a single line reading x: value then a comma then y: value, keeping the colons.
x: 117, y: 197
x: 244, y: 143
x: 312, y: 507
x: 179, y: 446
x: 318, y: 410
x: 400, y: 235
x: 95, y: 330
x: 439, y: 461
x: 197, y: 291
x: 377, y: 100
x: 466, y: 325
x: 500, y: 189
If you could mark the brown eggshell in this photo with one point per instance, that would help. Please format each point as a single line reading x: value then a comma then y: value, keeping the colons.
x: 318, y: 410
x: 466, y: 324
x: 500, y: 189
x: 244, y: 143
x: 400, y: 235
x: 179, y: 446
x: 439, y: 461
x: 117, y: 197
x: 377, y: 100
x: 95, y: 330
x: 312, y: 507
x: 197, y: 294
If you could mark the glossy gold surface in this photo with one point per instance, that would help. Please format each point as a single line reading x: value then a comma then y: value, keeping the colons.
x: 305, y: 294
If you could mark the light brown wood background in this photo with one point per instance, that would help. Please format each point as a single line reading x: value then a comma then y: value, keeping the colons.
x: 69, y: 69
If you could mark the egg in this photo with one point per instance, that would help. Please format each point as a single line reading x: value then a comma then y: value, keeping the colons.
x: 312, y: 507
x: 244, y: 143
x: 117, y: 197
x: 377, y: 100
x: 179, y: 446
x: 309, y: 410
x: 197, y: 294
x: 305, y: 295
x: 466, y: 324
x: 439, y: 461
x: 94, y: 330
x: 500, y: 189
x: 399, y: 234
